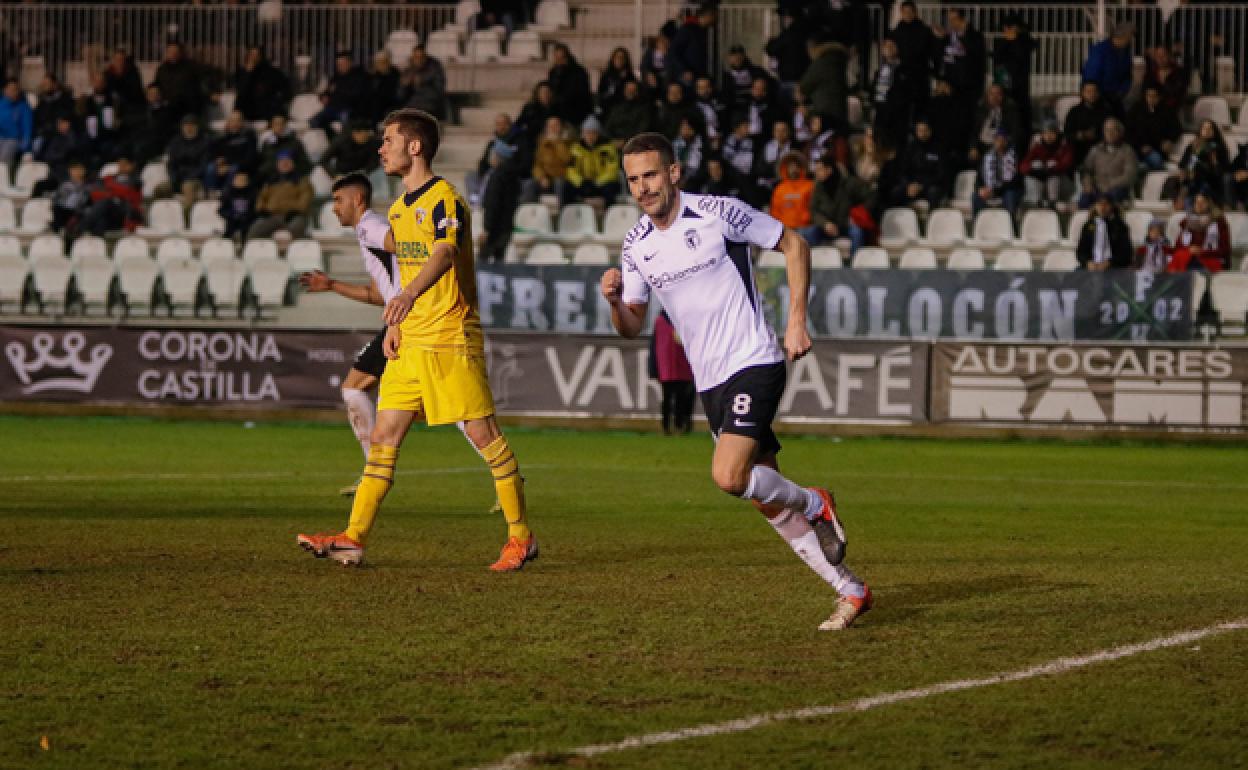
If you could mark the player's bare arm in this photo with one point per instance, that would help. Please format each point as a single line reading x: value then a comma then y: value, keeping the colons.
x: 797, y: 267
x: 627, y: 319
x: 440, y: 261
x: 390, y: 345
x: 388, y: 242
x: 316, y: 281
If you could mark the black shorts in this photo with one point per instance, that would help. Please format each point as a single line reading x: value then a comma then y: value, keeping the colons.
x: 746, y: 404
x: 372, y: 358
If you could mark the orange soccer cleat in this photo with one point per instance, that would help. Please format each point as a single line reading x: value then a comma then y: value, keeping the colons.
x: 848, y: 609
x: 338, y: 547
x: 516, y: 553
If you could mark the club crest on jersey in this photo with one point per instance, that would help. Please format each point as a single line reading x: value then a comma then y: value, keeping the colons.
x: 692, y: 239
x: 420, y: 216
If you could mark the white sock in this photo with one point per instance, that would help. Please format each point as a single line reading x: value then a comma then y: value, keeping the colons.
x: 360, y: 414
x: 796, y: 531
x: 768, y: 487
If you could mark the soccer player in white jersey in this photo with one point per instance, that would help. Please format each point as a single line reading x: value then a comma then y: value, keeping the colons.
x: 693, y: 252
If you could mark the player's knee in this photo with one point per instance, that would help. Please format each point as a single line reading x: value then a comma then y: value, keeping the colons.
x: 731, y: 480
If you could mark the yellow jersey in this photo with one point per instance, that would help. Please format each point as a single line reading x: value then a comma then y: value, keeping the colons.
x: 446, y: 315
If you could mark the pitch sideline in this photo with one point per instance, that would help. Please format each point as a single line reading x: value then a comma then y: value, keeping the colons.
x: 1058, y: 666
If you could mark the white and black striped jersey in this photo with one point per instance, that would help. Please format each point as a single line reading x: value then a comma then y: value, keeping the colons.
x: 371, y: 233
x: 701, y: 271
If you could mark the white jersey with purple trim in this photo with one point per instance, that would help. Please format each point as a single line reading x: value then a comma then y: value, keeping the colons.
x: 371, y: 233
x: 700, y: 268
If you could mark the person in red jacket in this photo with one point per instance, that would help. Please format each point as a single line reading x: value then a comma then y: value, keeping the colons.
x: 790, y: 200
x: 1049, y: 162
x: 1204, y: 241
x: 116, y: 201
x: 670, y: 367
x: 1153, y: 256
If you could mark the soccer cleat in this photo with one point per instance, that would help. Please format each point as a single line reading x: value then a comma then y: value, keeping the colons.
x: 349, y: 490
x: 848, y: 609
x: 516, y: 553
x: 338, y: 547
x: 828, y: 529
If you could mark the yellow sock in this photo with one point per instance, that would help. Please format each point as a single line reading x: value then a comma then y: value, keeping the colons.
x: 508, y: 484
x: 374, y: 484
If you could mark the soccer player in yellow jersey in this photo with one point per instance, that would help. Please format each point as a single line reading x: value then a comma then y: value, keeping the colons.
x: 434, y: 343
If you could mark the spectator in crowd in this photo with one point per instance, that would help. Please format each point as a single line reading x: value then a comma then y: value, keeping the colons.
x: 180, y: 82
x: 99, y: 116
x: 1105, y: 241
x: 633, y: 115
x: 688, y: 150
x: 71, y: 199
x: 1110, y: 167
x: 713, y: 111
x: 999, y: 182
x: 261, y: 90
x: 740, y: 149
x: 963, y: 57
x: 917, y: 48
x: 788, y: 49
x: 655, y: 58
x: 125, y: 87
x: 54, y: 102
x: 383, y: 86
x: 503, y: 135
x: 189, y: 153
x: 500, y: 197
x: 346, y: 96
x: 550, y: 163
x: 594, y: 167
x: 738, y: 77
x: 763, y: 108
x: 994, y: 114
x: 535, y: 113
x: 283, y: 202
x: 834, y: 196
x: 921, y: 172
x: 238, y: 205
x: 824, y: 86
x: 233, y: 151
x: 1086, y: 120
x: 1152, y: 129
x: 423, y: 84
x: 619, y: 70
x: 1109, y: 65
x: 16, y: 124
x: 355, y: 150
x: 790, y: 200
x: 280, y: 138
x: 1168, y: 77
x: 1011, y: 60
x: 777, y: 146
x: 58, y: 148
x: 116, y: 201
x: 829, y: 140
x: 1153, y: 255
x: 690, y: 53
x: 675, y: 108
x: 1238, y: 181
x: 1050, y: 162
x: 150, y: 136
x: 893, y: 96
x: 870, y: 158
x: 569, y: 82
x: 670, y: 367
x: 1205, y: 162
x: 951, y: 123
x: 1204, y: 241
x: 717, y: 178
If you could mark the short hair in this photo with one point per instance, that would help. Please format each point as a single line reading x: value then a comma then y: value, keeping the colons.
x: 354, y: 179
x: 651, y: 142
x: 416, y: 124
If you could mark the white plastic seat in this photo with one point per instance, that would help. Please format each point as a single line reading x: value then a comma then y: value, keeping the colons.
x: 963, y: 189
x: 465, y: 10
x: 108, y: 169
x: 36, y: 216
x: 28, y: 175
x: 965, y: 259
x: 1181, y: 146
x: 217, y: 248
x: 917, y: 259
x: 546, y: 254
x: 1174, y: 225
x: 1228, y: 293
x: 523, y: 46
x: 1040, y: 228
x: 1242, y: 125
x: 577, y: 223
x: 88, y: 245
x: 1062, y: 106
x: 870, y: 258
x: 269, y: 278
x: 1150, y: 192
x: 13, y: 272
x: 591, y: 254
x: 899, y: 227
x: 131, y: 246
x: 531, y: 221
x: 164, y: 217
x: 315, y: 143
x: 399, y: 45
x: 8, y: 216
x: 303, y: 255
x: 945, y: 227
x: 10, y: 245
x: 1213, y: 108
x: 1074, y: 227
x: 443, y: 44
x: 303, y: 108
x: 153, y: 175
x: 136, y: 278
x: 826, y: 258
x: 181, y: 278
x: 322, y: 183
x: 1016, y: 260
x: 327, y: 224
x: 1060, y: 261
x: 853, y: 107
x: 1238, y: 220
x: 46, y: 246
x: 171, y: 249
x: 770, y: 258
x: 484, y: 45
x: 616, y: 223
x: 1137, y: 224
x: 93, y: 274
x: 551, y: 15
x: 260, y: 248
x: 993, y: 226
x: 50, y: 275
x: 223, y: 279
x: 206, y: 218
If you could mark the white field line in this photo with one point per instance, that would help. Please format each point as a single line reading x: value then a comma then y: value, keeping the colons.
x: 241, y: 476
x: 1053, y: 667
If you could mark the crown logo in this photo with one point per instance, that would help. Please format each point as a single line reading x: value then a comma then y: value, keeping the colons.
x: 75, y: 372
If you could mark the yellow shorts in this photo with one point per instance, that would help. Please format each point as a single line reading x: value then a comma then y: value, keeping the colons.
x: 445, y: 386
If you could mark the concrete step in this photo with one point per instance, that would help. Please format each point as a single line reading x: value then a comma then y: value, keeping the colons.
x: 328, y: 310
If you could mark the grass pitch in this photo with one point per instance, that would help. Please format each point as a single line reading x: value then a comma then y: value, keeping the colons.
x: 158, y: 613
